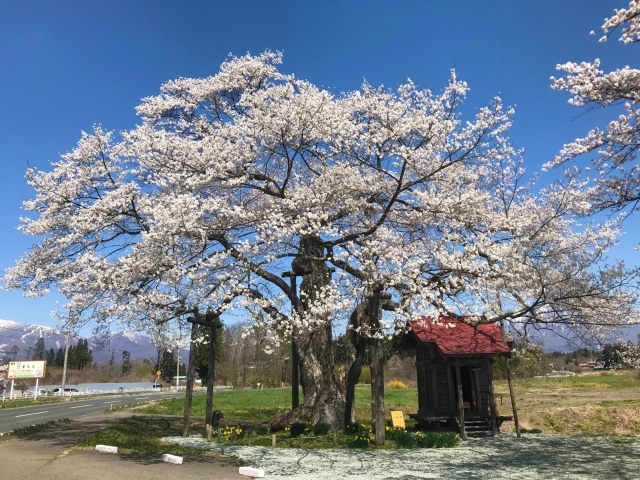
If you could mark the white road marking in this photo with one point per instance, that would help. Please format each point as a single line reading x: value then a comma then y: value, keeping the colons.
x: 80, y: 406
x: 114, y: 401
x: 141, y: 398
x: 36, y: 413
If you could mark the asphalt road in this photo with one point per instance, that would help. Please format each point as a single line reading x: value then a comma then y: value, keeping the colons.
x: 12, y: 418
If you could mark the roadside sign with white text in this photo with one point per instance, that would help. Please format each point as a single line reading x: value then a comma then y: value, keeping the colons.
x: 27, y: 369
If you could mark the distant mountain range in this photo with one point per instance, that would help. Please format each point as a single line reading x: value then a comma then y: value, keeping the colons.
x: 25, y: 335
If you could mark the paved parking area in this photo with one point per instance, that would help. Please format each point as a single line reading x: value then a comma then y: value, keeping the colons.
x: 47, y: 455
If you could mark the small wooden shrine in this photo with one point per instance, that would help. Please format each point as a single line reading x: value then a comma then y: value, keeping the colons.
x: 454, y: 362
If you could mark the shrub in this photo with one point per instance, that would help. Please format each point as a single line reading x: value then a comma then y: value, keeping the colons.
x: 365, y: 375
x: 392, y: 432
x: 437, y: 439
x: 396, y: 384
x: 231, y: 432
x: 356, y: 428
x: 361, y: 440
x: 262, y: 430
x: 321, y: 429
x: 300, y: 428
x: 405, y: 439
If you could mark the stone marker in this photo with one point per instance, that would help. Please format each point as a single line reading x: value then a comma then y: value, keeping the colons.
x: 172, y: 459
x: 106, y: 449
x: 252, y: 472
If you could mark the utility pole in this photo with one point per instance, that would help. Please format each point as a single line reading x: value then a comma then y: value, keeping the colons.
x: 64, y: 366
x: 178, y: 362
x: 178, y: 370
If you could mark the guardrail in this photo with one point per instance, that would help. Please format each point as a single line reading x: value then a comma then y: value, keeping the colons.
x: 43, y: 393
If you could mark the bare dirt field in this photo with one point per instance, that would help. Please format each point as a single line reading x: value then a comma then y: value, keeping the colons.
x: 590, y: 403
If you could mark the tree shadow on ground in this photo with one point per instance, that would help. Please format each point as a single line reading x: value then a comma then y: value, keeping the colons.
x: 67, y: 434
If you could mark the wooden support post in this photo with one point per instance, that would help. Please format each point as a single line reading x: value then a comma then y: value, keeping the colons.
x: 492, y: 399
x: 478, y: 390
x: 219, y: 434
x: 513, y: 400
x: 273, y: 440
x: 295, y: 355
x: 249, y: 438
x: 207, y: 429
x: 434, y: 379
x: 335, y: 437
x: 214, y: 325
x: 377, y: 360
x: 452, y: 405
x: 301, y: 440
x: 191, y: 371
x: 463, y: 432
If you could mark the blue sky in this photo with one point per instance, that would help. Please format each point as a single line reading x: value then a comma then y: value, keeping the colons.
x: 69, y: 65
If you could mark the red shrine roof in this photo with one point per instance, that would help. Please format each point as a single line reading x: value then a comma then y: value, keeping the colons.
x: 455, y: 338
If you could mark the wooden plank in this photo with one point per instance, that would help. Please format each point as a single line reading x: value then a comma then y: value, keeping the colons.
x: 452, y: 397
x: 434, y: 379
x: 463, y: 433
x: 478, y: 392
x: 513, y: 399
x: 492, y: 399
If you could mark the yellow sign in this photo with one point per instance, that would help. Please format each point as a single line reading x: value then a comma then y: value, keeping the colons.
x: 397, y: 418
x: 158, y: 373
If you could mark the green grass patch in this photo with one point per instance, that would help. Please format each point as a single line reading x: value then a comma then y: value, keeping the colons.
x: 601, y: 381
x: 618, y: 403
x: 141, y: 435
x: 261, y: 406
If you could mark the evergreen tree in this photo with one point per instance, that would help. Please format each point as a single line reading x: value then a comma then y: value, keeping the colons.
x: 51, y: 357
x: 59, y: 361
x: 168, y: 366
x: 126, y: 363
x: 28, y: 353
x: 83, y: 355
x: 39, y: 351
x: 611, y: 356
x: 202, y: 352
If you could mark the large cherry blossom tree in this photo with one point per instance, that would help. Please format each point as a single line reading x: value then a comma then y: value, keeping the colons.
x: 230, y: 180
x: 614, y: 149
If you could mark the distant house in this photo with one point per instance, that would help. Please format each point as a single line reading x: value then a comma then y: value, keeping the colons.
x: 589, y: 364
x: 454, y: 363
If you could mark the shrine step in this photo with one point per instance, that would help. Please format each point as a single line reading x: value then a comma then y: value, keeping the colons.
x: 478, y: 427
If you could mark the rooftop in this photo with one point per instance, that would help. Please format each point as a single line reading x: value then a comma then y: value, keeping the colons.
x: 456, y: 338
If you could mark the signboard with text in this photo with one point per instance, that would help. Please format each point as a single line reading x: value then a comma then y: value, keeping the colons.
x: 397, y: 419
x: 27, y: 369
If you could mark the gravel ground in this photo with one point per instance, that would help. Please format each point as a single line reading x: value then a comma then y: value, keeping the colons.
x: 504, y: 457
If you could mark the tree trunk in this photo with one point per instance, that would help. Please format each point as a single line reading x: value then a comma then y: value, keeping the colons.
x: 214, y: 325
x: 358, y: 317
x: 323, y: 392
x: 188, y: 396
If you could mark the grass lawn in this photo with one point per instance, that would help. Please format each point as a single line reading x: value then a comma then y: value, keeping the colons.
x: 606, y: 404
x: 142, y: 435
x: 260, y: 406
x: 592, y: 402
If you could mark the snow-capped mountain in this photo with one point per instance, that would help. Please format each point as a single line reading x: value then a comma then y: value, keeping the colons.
x: 25, y: 336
